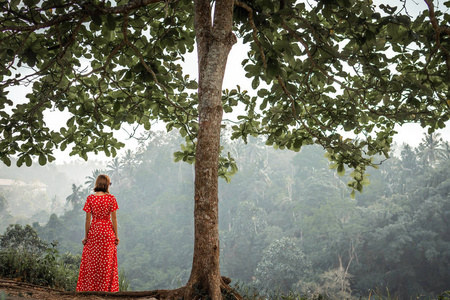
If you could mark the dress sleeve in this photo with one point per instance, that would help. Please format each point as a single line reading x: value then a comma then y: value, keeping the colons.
x: 87, y: 206
x: 114, y: 205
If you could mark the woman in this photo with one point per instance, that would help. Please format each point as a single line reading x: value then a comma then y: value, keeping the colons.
x: 98, y: 269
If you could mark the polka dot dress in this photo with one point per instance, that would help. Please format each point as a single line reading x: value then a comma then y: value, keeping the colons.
x: 98, y: 269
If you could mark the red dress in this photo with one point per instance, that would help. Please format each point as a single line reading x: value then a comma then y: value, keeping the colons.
x: 98, y: 269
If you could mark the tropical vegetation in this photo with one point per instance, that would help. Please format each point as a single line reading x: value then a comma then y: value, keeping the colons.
x: 287, y: 222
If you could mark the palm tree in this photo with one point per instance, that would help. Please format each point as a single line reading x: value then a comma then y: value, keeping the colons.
x: 114, y: 170
x: 76, y: 196
x: 128, y: 162
x: 444, y: 154
x: 90, y: 180
x: 429, y: 148
x: 408, y: 157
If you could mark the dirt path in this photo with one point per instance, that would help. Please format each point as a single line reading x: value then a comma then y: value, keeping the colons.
x: 15, y: 290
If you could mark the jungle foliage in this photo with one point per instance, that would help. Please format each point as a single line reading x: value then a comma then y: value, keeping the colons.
x: 24, y: 256
x: 287, y: 222
x: 331, y: 67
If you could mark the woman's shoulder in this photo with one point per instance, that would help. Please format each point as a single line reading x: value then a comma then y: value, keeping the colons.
x: 101, y: 195
x: 108, y: 196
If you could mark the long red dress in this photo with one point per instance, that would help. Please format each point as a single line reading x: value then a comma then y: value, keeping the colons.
x: 98, y: 269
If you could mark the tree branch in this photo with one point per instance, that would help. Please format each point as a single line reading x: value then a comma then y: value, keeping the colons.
x: 438, y: 29
x: 223, y: 18
x: 202, y: 21
x: 254, y: 30
x: 130, y: 6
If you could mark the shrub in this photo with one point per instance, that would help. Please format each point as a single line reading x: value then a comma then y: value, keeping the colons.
x: 444, y: 296
x: 25, y: 257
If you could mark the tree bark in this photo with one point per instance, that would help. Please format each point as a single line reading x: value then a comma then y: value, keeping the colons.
x: 214, y: 42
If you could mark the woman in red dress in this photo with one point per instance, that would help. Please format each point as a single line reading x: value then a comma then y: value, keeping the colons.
x: 98, y: 269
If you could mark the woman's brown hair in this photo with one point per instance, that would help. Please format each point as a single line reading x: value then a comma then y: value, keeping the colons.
x: 102, y: 184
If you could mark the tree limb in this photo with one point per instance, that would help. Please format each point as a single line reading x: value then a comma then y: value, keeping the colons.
x: 130, y: 6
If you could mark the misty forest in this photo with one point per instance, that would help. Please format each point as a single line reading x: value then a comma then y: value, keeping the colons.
x: 287, y: 221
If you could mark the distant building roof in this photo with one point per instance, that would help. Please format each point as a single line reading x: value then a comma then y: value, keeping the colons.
x: 13, y: 182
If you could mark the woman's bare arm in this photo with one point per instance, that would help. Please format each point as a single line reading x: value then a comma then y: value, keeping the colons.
x: 87, y: 226
x: 114, y: 224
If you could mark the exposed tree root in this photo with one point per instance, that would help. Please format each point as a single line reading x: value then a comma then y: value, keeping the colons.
x: 227, y: 291
x: 186, y: 292
x: 158, y: 294
x: 190, y: 292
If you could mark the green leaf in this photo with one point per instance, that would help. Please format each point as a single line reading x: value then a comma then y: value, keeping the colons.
x: 28, y: 160
x: 14, y: 3
x: 110, y: 22
x: 405, y: 20
x: 327, y: 11
x: 116, y: 106
x: 130, y: 118
x: 272, y: 68
x: 6, y: 161
x: 42, y: 159
x: 341, y: 170
x: 364, y: 118
x: 263, y: 93
x: 97, y: 20
x: 30, y: 3
x: 70, y: 122
x: 255, y: 82
x: 20, y: 161
x: 31, y: 58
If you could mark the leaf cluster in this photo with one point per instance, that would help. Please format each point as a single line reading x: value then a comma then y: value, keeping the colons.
x: 341, y: 74
x: 101, y: 66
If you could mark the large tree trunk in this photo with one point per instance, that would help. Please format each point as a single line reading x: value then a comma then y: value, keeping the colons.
x: 214, y: 42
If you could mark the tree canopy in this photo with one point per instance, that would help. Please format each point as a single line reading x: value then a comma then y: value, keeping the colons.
x: 332, y: 67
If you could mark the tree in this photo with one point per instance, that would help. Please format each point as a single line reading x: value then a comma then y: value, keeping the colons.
x: 76, y: 197
x: 106, y: 63
x: 429, y: 149
x: 244, y: 238
x: 128, y: 163
x: 90, y: 180
x: 22, y: 238
x: 115, y: 170
x: 286, y: 260
x: 445, y: 152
